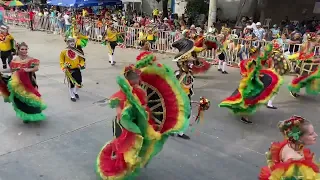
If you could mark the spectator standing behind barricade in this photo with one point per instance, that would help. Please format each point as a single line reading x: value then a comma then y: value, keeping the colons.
x: 294, y: 41
x: 155, y: 14
x: 258, y: 30
x: 31, y: 16
x: 275, y: 31
x: 67, y: 21
x: 60, y: 20
x: 1, y: 18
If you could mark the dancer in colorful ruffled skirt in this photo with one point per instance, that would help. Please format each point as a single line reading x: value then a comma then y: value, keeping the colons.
x: 289, y: 159
x: 257, y: 87
x: 307, y: 69
x: 21, y: 88
x: 146, y: 115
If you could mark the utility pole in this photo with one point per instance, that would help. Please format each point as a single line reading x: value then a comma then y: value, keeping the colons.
x: 212, y: 12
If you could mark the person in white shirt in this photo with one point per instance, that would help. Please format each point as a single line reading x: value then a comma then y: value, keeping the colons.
x: 67, y: 22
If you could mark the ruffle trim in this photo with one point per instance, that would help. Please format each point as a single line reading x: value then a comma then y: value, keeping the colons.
x: 310, y: 82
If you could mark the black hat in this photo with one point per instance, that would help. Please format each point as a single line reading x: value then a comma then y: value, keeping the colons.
x: 184, y: 46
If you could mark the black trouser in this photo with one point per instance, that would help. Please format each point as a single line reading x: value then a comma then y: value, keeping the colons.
x: 76, y: 74
x: 31, y: 24
x: 113, y: 45
x: 6, y: 55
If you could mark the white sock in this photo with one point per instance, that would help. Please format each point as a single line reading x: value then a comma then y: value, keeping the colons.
x: 110, y: 58
x: 224, y: 64
x: 74, y: 90
x: 219, y: 64
x: 71, y: 93
x: 270, y: 101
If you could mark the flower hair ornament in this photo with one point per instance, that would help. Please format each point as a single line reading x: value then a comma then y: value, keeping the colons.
x: 291, y: 128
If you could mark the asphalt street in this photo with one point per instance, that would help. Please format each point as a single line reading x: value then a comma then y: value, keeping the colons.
x: 65, y: 146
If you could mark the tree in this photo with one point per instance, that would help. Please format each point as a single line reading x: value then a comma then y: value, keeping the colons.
x: 164, y: 7
x: 196, y: 7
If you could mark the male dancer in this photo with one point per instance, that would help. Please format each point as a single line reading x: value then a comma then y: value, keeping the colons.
x: 184, y: 74
x: 72, y: 61
x: 6, y: 46
x: 111, y: 42
x: 222, y: 56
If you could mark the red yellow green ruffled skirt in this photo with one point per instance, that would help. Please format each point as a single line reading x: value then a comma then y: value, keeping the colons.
x: 119, y: 159
x: 304, y: 169
x: 4, y: 92
x: 200, y: 67
x: 311, y: 82
x: 25, y: 98
x: 246, y: 99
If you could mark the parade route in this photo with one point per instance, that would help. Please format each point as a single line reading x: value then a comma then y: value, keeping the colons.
x: 65, y: 146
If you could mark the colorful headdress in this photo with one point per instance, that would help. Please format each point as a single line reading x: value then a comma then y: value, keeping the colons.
x: 130, y: 71
x: 291, y: 128
x: 144, y: 59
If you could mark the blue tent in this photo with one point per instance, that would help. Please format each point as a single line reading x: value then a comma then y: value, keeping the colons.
x: 83, y: 3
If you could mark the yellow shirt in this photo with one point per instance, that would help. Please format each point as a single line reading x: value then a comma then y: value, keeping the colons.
x: 79, y: 37
x: 6, y: 44
x: 84, y: 12
x: 156, y: 12
x: 74, y: 62
x: 111, y: 35
x: 150, y: 37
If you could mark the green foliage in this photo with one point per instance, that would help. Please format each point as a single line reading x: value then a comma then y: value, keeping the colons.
x: 194, y: 7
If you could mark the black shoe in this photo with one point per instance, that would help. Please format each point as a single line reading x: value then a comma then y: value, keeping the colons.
x: 295, y: 95
x: 183, y: 136
x: 26, y: 121
x: 244, y: 120
x: 110, y: 62
x: 272, y: 107
x: 4, y: 66
x: 219, y: 69
x: 73, y: 99
x: 224, y: 72
x: 77, y: 96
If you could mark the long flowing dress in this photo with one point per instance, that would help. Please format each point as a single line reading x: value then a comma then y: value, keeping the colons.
x: 146, y: 116
x: 256, y: 87
x: 21, y: 90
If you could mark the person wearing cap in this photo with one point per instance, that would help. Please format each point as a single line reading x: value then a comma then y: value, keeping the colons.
x: 275, y: 31
x: 111, y: 41
x: 6, y: 46
x: 258, y: 30
x: 72, y: 61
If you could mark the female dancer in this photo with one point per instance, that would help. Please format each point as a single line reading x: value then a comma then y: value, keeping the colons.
x: 257, y: 87
x: 22, y: 88
x: 151, y: 105
x: 289, y: 159
x: 307, y: 69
